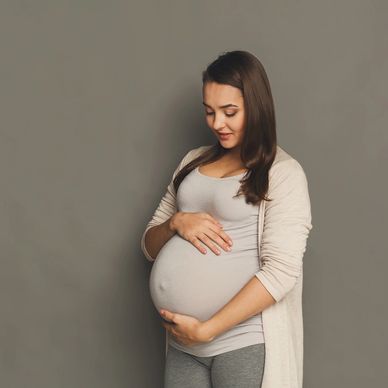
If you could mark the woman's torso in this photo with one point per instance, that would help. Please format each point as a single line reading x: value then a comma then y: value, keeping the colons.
x: 185, y: 281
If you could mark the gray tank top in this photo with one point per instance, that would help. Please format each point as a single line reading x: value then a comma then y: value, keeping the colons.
x: 185, y: 281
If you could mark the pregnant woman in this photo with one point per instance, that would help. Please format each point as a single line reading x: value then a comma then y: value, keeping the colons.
x: 227, y: 243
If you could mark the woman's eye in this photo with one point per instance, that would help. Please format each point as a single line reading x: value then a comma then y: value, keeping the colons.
x: 226, y: 114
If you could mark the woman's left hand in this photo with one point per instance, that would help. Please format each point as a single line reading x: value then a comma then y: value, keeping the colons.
x: 186, y: 329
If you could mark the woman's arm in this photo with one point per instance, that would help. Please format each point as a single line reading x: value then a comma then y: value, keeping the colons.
x: 286, y: 227
x: 252, y: 299
x: 156, y: 236
x: 167, y: 207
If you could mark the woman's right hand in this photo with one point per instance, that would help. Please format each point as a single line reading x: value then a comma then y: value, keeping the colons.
x: 201, y: 227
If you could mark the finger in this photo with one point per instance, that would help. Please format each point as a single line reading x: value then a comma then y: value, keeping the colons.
x: 205, y: 239
x: 221, y: 242
x: 167, y: 315
x: 175, y: 334
x: 222, y: 234
x: 197, y: 243
x: 168, y: 326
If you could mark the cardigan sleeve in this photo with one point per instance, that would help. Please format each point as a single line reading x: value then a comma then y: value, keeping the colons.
x: 166, y: 208
x: 287, y: 223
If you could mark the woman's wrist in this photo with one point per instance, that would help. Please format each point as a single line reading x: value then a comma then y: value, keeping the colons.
x: 172, y: 223
x: 208, y: 331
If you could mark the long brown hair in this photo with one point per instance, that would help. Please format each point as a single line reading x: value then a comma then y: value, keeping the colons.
x: 244, y: 71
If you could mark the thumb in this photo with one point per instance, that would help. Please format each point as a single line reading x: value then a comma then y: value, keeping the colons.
x: 167, y: 315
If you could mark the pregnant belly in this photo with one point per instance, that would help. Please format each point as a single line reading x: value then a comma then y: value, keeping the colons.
x: 185, y: 281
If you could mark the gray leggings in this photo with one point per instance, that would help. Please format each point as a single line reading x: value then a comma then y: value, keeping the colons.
x: 241, y: 368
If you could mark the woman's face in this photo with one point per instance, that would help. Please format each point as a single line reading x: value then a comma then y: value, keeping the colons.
x: 224, y: 109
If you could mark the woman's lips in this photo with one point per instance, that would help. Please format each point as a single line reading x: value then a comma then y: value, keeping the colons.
x: 224, y: 136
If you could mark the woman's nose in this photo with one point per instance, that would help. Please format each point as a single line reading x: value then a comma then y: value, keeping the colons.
x: 218, y: 123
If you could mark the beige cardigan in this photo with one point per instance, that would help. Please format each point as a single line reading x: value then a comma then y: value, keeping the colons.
x: 283, y: 229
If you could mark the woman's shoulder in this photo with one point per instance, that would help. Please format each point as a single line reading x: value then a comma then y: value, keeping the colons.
x: 197, y: 151
x: 194, y: 152
x: 189, y: 156
x: 286, y: 172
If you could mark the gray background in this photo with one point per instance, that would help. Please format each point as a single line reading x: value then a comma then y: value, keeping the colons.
x: 99, y: 102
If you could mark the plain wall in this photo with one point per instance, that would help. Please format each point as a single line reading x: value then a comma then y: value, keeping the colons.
x: 99, y: 101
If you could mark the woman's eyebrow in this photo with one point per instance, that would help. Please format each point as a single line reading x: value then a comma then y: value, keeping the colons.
x: 223, y: 106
